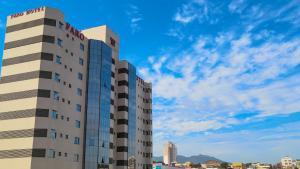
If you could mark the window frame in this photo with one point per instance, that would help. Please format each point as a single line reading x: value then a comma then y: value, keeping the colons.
x: 81, y: 46
x: 58, y: 60
x: 54, y: 114
x: 79, y: 76
x: 77, y: 123
x: 78, y: 108
x: 81, y: 61
x: 56, y: 95
x: 57, y: 77
x: 59, y: 42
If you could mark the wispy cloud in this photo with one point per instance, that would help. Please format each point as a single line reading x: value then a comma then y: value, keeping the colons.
x: 186, y: 14
x: 191, y: 11
x: 236, y: 6
x: 175, y: 33
x: 197, y: 10
x: 135, y: 17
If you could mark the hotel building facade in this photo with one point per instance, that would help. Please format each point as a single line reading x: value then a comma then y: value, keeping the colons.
x: 67, y: 101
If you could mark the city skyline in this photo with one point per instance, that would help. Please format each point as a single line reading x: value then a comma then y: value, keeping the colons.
x: 225, y: 74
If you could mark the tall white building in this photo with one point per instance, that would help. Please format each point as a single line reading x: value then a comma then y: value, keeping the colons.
x: 170, y: 153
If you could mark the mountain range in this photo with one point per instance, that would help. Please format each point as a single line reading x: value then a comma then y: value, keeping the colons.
x: 195, y: 159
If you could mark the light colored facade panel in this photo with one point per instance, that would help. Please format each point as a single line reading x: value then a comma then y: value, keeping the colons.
x: 23, y: 123
x: 19, y: 86
x: 16, y: 143
x: 16, y: 163
x: 21, y: 68
x: 22, y: 50
x: 20, y: 104
x: 24, y: 33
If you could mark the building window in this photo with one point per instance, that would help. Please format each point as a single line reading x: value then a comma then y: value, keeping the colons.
x: 54, y: 114
x: 80, y: 76
x: 81, y: 61
x: 76, y: 140
x: 61, y: 25
x: 55, y: 95
x: 79, y: 92
x: 81, y: 47
x: 123, y: 70
x: 76, y: 158
x: 53, y: 134
x: 123, y: 83
x: 78, y: 107
x: 59, y: 42
x: 77, y: 123
x: 51, y: 153
x: 57, y: 77
x: 58, y: 59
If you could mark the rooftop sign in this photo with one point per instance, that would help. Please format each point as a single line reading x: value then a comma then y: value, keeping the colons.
x: 28, y: 12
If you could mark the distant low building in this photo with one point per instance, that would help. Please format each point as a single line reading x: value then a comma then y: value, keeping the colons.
x: 298, y: 163
x: 286, y: 162
x: 238, y: 165
x: 161, y: 166
x: 260, y: 166
x: 212, y: 164
x: 187, y: 164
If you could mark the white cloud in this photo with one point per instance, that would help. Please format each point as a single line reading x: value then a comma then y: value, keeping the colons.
x: 135, y: 17
x: 184, y: 18
x: 236, y: 6
x: 175, y: 33
x: 194, y: 10
x: 202, y: 83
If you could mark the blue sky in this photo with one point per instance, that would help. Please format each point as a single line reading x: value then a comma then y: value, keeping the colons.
x: 225, y: 74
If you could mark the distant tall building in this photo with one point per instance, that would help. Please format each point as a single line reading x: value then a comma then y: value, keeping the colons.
x: 170, y: 153
x: 67, y: 101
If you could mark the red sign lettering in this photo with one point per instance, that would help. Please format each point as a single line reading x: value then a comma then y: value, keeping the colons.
x: 28, y: 12
x: 16, y: 15
x: 74, y: 31
x: 112, y: 42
